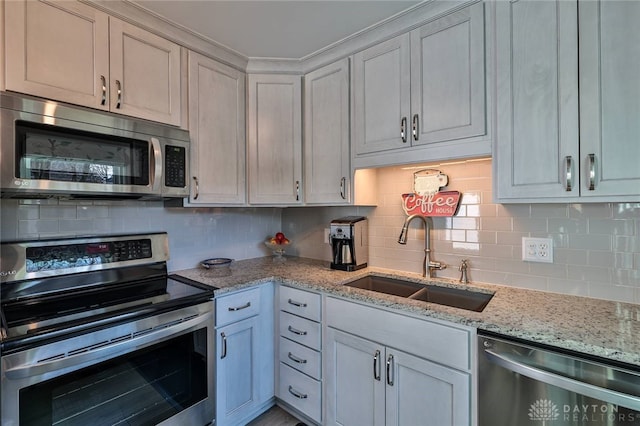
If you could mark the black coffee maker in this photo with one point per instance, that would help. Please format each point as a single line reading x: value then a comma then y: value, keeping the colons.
x: 349, y: 243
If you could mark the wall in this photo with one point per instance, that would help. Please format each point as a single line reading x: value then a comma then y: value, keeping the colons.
x: 596, y: 246
x: 194, y: 234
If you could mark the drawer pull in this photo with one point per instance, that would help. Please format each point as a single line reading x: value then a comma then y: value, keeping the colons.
x: 103, y: 99
x: 298, y: 332
x: 239, y: 308
x: 294, y: 358
x: 297, y: 394
x: 298, y: 304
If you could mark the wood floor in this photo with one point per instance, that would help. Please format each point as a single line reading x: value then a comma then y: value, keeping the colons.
x: 275, y: 416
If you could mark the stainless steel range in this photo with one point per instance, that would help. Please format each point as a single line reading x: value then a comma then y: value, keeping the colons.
x: 94, y: 331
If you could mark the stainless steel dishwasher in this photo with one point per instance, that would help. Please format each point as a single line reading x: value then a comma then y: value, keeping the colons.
x: 523, y: 384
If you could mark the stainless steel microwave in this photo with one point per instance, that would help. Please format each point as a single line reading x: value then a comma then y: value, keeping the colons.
x: 49, y: 149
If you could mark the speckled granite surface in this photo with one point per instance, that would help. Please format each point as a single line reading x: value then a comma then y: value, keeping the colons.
x: 596, y: 327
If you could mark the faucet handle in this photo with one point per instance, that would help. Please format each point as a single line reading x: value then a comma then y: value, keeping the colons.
x: 463, y: 271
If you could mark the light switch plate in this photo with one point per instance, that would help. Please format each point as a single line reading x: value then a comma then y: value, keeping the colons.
x: 537, y: 249
x: 327, y: 231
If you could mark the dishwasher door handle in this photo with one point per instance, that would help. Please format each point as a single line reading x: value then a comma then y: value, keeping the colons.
x: 568, y: 383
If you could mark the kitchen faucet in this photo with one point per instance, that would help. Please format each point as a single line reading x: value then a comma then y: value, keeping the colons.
x: 429, y: 265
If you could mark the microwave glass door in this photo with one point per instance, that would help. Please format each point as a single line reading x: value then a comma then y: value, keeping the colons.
x: 52, y: 153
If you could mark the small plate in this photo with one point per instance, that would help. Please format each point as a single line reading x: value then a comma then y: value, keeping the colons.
x: 217, y: 262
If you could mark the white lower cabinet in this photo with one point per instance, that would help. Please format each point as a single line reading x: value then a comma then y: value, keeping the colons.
x: 394, y: 369
x: 244, y: 354
x: 300, y: 359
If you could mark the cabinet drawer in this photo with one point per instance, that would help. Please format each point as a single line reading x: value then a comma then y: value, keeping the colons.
x: 300, y: 302
x: 300, y: 391
x: 300, y: 357
x: 448, y: 345
x: 300, y: 330
x: 237, y: 306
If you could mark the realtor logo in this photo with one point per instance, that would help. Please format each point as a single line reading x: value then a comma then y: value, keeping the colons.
x: 543, y: 410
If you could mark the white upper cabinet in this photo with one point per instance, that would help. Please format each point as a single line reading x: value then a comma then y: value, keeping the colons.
x: 609, y: 40
x: 275, y: 139
x: 537, y: 100
x: 326, y: 129
x: 58, y: 51
x: 145, y: 74
x: 421, y: 95
x: 217, y: 129
x: 70, y: 52
x: 448, y: 78
x: 567, y: 101
x: 382, y: 96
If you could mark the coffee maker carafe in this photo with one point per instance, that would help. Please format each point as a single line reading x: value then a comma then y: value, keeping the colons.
x: 349, y: 243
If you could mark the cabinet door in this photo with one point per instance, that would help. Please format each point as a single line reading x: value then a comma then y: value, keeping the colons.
x: 236, y: 370
x: 326, y: 130
x: 425, y: 393
x: 354, y: 380
x: 58, y: 51
x: 609, y: 93
x: 275, y: 139
x: 536, y: 152
x: 217, y: 128
x: 145, y: 74
x: 382, y: 96
x: 447, y: 78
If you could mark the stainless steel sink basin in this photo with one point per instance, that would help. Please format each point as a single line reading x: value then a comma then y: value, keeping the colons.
x: 458, y: 298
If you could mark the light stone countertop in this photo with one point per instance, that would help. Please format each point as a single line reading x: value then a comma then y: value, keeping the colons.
x: 596, y: 327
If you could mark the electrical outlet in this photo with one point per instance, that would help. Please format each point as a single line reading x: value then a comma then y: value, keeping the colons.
x: 327, y: 232
x: 537, y: 249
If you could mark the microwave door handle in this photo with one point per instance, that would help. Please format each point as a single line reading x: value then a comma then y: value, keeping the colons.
x: 567, y: 383
x: 156, y: 162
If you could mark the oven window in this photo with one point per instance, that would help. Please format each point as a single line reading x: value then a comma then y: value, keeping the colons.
x: 53, y: 153
x: 141, y: 388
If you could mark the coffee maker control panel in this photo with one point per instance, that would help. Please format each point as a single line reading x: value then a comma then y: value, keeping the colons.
x: 340, y: 232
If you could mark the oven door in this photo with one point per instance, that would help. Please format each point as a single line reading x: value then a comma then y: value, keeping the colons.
x: 155, y: 370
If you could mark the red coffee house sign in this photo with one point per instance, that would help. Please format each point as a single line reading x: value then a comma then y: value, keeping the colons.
x: 427, y: 200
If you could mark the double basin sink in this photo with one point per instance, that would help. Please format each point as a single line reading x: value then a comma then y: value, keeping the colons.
x: 458, y: 298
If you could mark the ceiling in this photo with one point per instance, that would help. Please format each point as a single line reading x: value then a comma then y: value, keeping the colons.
x: 290, y: 29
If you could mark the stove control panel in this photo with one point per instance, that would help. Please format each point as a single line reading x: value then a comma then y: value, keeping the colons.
x: 40, y: 258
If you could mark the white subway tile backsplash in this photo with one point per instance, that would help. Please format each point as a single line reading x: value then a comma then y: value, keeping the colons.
x: 596, y: 246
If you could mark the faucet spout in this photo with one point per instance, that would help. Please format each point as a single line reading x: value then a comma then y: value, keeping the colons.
x: 429, y: 266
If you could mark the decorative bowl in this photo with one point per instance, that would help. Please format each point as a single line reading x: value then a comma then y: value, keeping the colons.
x: 277, y: 249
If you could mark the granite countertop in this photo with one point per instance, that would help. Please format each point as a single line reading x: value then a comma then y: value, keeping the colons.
x: 596, y: 327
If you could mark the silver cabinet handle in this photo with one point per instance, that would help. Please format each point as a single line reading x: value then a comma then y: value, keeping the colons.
x: 298, y: 332
x: 294, y: 358
x: 119, y: 99
x: 297, y: 190
x: 297, y: 394
x: 592, y: 172
x: 390, y: 372
x: 414, y: 127
x: 224, y: 346
x: 239, y: 308
x: 195, y: 179
x: 376, y: 365
x: 297, y: 304
x: 403, y: 129
x: 343, y: 187
x: 568, y: 163
x: 103, y: 80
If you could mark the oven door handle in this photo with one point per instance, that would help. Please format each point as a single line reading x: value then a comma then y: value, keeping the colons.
x: 155, y: 335
x: 564, y: 382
